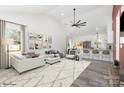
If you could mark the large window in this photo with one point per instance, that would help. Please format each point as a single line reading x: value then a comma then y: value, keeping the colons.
x: 14, y: 32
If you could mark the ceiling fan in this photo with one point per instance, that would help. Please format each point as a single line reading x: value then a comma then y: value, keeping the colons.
x: 78, y: 23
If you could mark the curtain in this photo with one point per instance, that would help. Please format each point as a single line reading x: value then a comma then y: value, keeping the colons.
x: 3, y: 52
x: 4, y: 55
x: 23, y: 38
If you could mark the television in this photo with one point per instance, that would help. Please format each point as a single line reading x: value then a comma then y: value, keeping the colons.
x: 122, y: 22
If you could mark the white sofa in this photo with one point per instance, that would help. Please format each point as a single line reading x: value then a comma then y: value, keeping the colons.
x: 25, y: 64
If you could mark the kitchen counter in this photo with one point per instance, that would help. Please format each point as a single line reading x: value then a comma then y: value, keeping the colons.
x: 99, y: 56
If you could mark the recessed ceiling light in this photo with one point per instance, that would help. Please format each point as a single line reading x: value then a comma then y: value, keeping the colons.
x: 62, y: 14
x: 97, y: 29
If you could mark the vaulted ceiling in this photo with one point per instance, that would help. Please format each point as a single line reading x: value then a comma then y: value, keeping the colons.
x: 96, y: 16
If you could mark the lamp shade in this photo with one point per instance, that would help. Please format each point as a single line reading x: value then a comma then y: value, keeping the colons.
x: 9, y: 41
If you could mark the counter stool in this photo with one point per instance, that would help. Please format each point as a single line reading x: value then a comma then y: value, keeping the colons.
x: 95, y: 54
x: 106, y: 54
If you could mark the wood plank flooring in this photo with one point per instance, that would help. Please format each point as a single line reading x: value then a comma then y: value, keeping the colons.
x: 94, y: 75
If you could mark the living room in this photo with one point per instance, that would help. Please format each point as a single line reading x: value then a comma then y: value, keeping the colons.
x: 66, y: 42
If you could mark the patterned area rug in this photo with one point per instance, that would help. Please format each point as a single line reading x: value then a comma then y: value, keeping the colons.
x: 61, y: 74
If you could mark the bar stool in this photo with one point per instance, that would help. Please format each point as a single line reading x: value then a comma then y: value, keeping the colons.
x: 106, y: 54
x: 86, y: 53
x: 95, y: 54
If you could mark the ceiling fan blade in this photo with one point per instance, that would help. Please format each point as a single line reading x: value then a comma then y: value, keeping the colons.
x: 78, y: 22
x: 83, y: 23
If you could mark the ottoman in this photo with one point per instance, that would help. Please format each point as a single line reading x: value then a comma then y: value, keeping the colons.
x: 52, y: 60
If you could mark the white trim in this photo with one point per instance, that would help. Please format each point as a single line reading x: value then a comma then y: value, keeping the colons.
x: 117, y: 35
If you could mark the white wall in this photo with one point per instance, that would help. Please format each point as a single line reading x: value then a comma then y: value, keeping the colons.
x: 109, y: 30
x: 121, y: 40
x: 41, y: 24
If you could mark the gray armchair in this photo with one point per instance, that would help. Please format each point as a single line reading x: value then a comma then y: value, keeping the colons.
x: 71, y: 54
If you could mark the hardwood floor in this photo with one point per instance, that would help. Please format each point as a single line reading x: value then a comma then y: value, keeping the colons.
x: 94, y: 75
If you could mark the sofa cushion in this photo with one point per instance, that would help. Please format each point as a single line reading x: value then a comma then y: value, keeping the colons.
x: 70, y: 56
x: 19, y: 56
x: 52, y: 58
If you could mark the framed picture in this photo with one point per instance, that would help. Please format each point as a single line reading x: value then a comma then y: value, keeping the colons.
x: 39, y: 41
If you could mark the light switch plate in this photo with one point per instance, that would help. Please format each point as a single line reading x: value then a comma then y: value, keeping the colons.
x: 121, y: 45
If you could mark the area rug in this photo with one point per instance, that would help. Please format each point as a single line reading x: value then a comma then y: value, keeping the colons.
x: 61, y: 74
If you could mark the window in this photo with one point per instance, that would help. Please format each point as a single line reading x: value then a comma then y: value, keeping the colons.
x: 14, y: 32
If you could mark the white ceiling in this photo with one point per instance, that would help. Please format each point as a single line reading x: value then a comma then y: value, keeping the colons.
x: 67, y: 10
x: 26, y: 8
x: 96, y: 16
